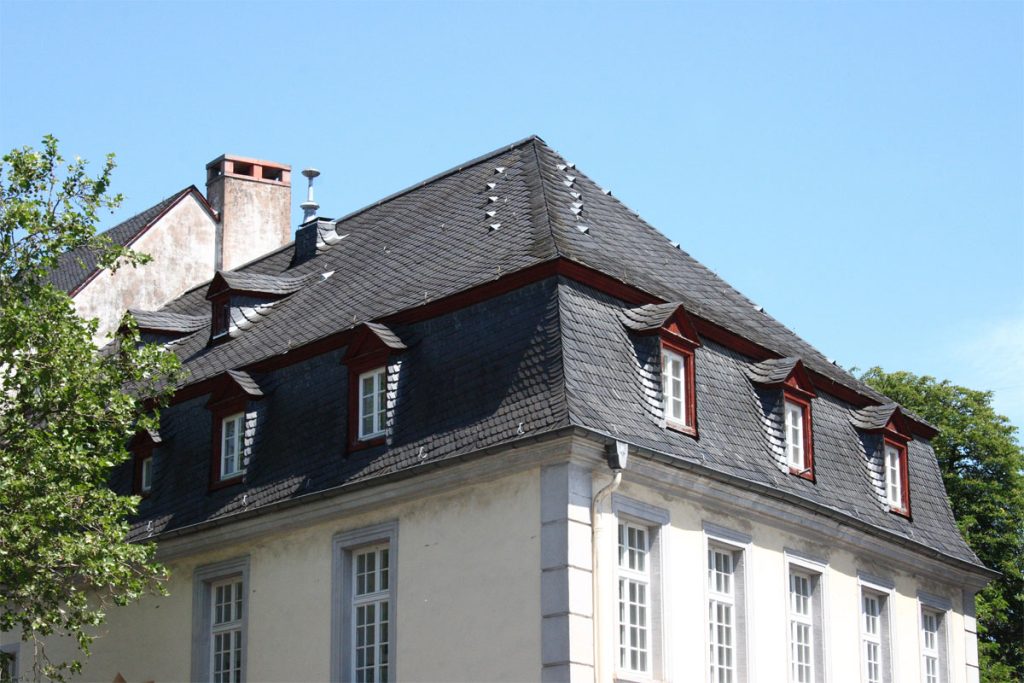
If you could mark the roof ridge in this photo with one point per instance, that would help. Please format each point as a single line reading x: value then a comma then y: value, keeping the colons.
x: 544, y: 197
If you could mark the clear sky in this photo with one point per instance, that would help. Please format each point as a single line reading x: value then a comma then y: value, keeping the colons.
x: 855, y: 168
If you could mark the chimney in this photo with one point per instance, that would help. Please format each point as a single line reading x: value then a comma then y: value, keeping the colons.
x: 253, y: 201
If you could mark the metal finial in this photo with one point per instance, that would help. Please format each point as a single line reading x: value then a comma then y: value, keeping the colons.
x: 309, y: 207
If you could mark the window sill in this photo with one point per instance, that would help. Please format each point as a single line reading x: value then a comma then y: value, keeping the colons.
x: 224, y: 483
x: 682, y: 429
x: 807, y: 474
x: 371, y: 442
x: 902, y: 512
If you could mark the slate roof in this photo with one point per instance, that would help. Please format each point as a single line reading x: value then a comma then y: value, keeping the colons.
x: 771, y: 371
x: 874, y: 417
x: 544, y: 357
x: 649, y: 316
x: 262, y: 283
x: 74, y: 267
x: 164, y: 321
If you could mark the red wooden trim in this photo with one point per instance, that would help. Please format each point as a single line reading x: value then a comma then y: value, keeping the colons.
x: 219, y: 411
x: 356, y: 367
x: 505, y: 283
x: 801, y: 399
x: 901, y: 447
x: 684, y: 348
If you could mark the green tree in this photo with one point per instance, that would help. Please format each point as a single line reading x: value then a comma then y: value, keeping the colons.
x: 982, y: 466
x: 67, y: 412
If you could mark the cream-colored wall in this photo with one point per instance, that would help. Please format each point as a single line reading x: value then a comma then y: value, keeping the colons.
x: 181, y: 244
x: 684, y: 570
x: 468, y: 605
x: 255, y: 217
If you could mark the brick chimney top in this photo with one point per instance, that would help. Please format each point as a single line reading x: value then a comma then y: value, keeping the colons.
x: 231, y: 166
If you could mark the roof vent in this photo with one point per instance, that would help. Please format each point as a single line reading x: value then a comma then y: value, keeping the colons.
x: 309, y: 207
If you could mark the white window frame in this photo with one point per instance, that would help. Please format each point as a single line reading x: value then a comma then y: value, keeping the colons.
x: 205, y: 581
x: 238, y: 421
x: 379, y: 399
x: 938, y: 608
x: 718, y: 539
x: 639, y: 515
x: 633, y: 578
x: 229, y: 627
x: 816, y: 570
x: 345, y: 599
x: 146, y: 475
x: 668, y: 396
x: 893, y: 476
x: 881, y: 591
x: 800, y: 463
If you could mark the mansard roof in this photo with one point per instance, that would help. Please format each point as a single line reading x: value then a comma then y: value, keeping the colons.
x: 75, y: 267
x: 489, y: 274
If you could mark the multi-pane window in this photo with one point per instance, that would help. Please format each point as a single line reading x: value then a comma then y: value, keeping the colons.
x: 801, y: 627
x: 930, y: 624
x: 872, y: 634
x: 372, y: 403
x: 371, y: 614
x: 795, y: 436
x: 893, y: 476
x: 722, y: 636
x: 634, y: 577
x: 227, y: 605
x: 9, y: 664
x: 232, y: 437
x: 146, y: 476
x: 673, y: 387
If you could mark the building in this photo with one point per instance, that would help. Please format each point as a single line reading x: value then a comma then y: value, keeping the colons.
x: 496, y: 427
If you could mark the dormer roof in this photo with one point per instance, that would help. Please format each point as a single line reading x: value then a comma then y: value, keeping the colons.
x: 255, y: 283
x: 784, y: 372
x: 669, y: 317
x: 167, y: 322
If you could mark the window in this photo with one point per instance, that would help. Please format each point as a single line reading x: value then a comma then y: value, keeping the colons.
x: 677, y: 387
x: 638, y: 588
x: 146, y: 475
x: 726, y: 624
x: 933, y: 639
x: 372, y: 403
x: 805, y: 618
x: 673, y: 387
x: 219, y: 622
x: 874, y: 630
x: 634, y: 581
x: 226, y: 631
x: 363, y: 611
x: 221, y: 316
x: 232, y: 440
x: 722, y: 615
x: 896, y: 484
x: 9, y: 663
x: 798, y: 436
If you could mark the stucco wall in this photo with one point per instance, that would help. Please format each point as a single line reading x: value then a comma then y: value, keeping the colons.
x: 684, y: 564
x: 181, y: 244
x: 467, y: 604
x: 255, y: 217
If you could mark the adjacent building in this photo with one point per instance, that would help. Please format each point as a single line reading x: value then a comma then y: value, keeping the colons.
x: 497, y: 427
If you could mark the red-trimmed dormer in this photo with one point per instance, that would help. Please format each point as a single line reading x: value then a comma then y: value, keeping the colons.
x: 229, y: 405
x: 367, y: 359
x: 895, y: 429
x: 142, y: 446
x: 240, y: 300
x: 789, y: 376
x: 679, y: 340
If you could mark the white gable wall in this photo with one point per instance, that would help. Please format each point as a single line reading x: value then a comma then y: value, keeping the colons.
x: 182, y: 246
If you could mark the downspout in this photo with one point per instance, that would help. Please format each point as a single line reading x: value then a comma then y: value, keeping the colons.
x: 617, y: 463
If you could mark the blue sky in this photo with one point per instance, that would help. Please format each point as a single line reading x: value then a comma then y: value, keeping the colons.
x: 855, y: 168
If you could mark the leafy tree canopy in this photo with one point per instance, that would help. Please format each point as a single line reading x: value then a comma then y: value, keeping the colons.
x: 982, y: 466
x: 66, y: 414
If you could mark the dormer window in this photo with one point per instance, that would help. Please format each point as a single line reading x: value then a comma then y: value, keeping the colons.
x: 233, y: 409
x: 146, y: 475
x: 673, y: 383
x: 887, y: 458
x: 896, y: 476
x: 232, y: 432
x: 221, y: 317
x: 143, y: 445
x: 795, y: 435
x: 239, y: 300
x: 785, y: 387
x: 371, y: 352
x: 372, y: 403
x: 677, y: 342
